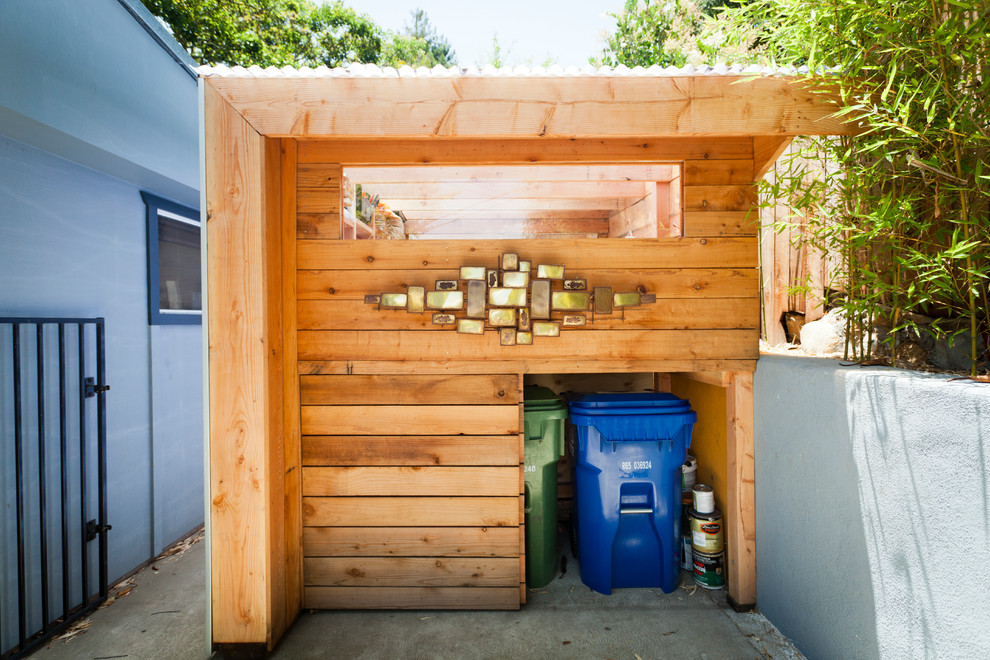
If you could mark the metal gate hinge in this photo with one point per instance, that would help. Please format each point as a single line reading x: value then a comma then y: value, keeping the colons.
x: 92, y: 529
x: 92, y: 389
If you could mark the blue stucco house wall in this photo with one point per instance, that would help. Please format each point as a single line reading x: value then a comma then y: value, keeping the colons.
x: 97, y: 105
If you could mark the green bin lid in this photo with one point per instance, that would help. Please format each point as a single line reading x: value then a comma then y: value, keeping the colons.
x: 537, y: 398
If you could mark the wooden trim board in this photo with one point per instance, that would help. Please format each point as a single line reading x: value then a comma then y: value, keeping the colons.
x: 740, y: 515
x: 544, y: 106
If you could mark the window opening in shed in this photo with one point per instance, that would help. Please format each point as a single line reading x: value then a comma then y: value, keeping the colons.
x: 493, y: 202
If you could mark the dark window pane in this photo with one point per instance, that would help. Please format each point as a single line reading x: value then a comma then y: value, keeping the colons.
x: 179, y: 282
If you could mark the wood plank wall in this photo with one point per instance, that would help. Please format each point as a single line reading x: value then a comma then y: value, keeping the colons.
x: 406, y: 458
x: 411, y: 491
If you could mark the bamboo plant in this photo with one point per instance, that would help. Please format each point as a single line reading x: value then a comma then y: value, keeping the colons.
x: 906, y: 202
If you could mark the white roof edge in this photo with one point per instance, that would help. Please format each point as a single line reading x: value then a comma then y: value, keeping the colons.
x: 374, y: 71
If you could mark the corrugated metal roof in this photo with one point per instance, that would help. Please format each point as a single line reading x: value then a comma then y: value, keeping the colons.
x: 374, y: 71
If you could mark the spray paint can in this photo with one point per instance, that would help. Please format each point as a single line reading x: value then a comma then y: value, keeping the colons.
x: 709, y: 569
x: 689, y: 472
x: 706, y: 531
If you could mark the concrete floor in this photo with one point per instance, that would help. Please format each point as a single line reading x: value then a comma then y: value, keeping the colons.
x: 164, y: 616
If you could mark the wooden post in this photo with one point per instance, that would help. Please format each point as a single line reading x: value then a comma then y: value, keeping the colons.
x: 740, y: 514
x: 245, y: 361
x: 290, y: 384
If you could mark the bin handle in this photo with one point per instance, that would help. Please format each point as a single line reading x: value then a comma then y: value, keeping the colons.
x: 647, y: 510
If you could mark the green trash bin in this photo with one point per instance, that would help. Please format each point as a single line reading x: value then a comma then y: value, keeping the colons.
x: 545, y: 414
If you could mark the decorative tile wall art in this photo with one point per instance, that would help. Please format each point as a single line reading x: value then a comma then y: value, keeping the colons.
x: 534, y: 300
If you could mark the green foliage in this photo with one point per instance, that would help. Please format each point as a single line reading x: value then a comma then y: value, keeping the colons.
x: 906, y: 201
x: 496, y: 56
x: 296, y: 33
x: 670, y: 33
x: 263, y: 32
x: 438, y: 49
x: 339, y: 35
x: 500, y: 55
x: 646, y: 33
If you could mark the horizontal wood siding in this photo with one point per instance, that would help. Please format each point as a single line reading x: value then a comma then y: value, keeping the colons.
x: 411, y: 542
x: 411, y: 491
x: 411, y: 450
x: 411, y: 433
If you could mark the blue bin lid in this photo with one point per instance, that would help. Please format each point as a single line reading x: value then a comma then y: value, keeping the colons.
x: 629, y: 403
x: 634, y: 416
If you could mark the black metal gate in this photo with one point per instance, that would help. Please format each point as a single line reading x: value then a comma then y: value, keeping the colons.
x: 52, y: 477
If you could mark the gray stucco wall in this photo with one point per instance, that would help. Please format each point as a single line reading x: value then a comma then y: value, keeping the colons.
x: 873, y: 510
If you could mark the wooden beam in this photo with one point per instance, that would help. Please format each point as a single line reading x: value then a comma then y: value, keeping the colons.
x: 721, y: 223
x: 605, y: 253
x: 413, y: 345
x: 640, y: 218
x: 567, y: 106
x: 666, y: 314
x: 413, y: 420
x: 717, y: 378
x: 547, y: 205
x: 490, y: 190
x: 511, y: 236
x: 412, y: 511
x: 412, y: 572
x: 506, y: 173
x: 243, y: 250
x: 413, y: 541
x: 740, y: 514
x: 510, y: 227
x: 766, y: 151
x: 720, y: 198
x: 717, y: 172
x: 357, y: 151
x: 418, y: 480
x: 346, y: 450
x: 486, y: 215
x: 670, y: 282
x: 275, y: 423
x: 525, y: 365
x: 675, y: 206
x: 409, y: 389
x: 290, y: 387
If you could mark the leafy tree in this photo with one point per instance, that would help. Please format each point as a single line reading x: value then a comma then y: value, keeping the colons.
x: 402, y: 49
x: 667, y: 33
x: 418, y: 45
x: 339, y: 35
x: 263, y: 32
x: 438, y: 48
x: 297, y: 33
x: 641, y: 35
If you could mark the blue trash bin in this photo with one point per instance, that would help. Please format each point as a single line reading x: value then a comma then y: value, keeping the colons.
x: 630, y: 449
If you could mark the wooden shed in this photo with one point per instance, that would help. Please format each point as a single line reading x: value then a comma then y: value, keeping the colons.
x: 365, y: 383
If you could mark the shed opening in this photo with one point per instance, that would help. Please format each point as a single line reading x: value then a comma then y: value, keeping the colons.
x: 493, y: 202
